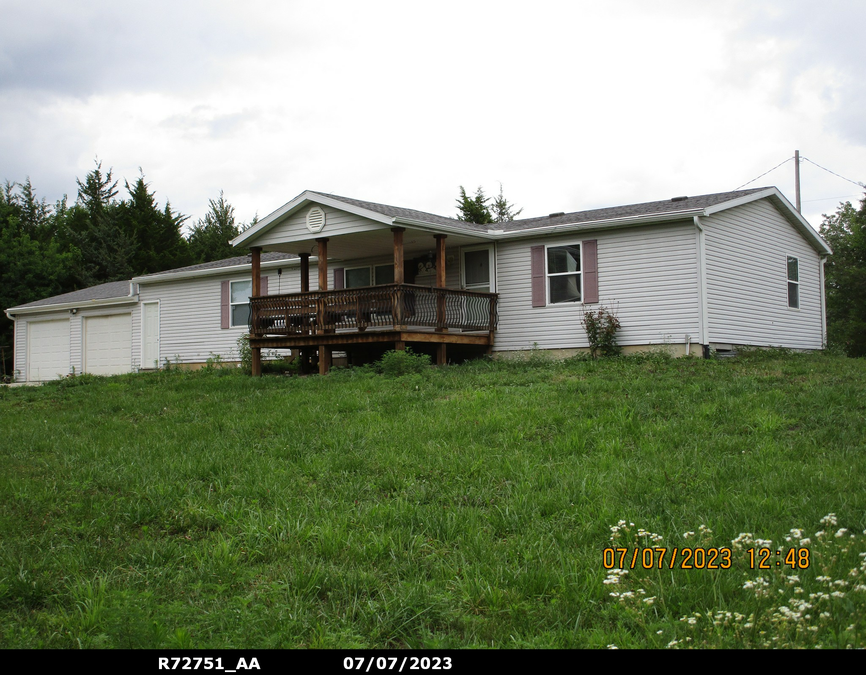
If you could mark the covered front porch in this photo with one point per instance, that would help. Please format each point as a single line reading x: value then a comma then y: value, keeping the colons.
x: 422, y: 296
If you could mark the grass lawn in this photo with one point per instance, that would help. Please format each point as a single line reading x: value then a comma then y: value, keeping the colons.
x: 467, y: 506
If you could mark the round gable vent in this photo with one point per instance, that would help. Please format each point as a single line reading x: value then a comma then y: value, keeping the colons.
x: 315, y: 219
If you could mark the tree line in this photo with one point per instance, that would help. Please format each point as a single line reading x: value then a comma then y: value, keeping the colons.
x: 104, y: 236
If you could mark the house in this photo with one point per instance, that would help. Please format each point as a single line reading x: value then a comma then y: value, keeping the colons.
x: 330, y: 274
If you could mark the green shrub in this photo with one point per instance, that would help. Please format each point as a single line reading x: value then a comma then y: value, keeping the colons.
x: 245, y: 353
x: 601, y: 326
x: 395, y: 363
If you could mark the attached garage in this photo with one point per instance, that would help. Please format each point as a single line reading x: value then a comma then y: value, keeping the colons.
x: 48, y: 348
x: 86, y: 331
x: 108, y: 344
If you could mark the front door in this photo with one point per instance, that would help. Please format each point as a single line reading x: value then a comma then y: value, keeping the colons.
x: 477, y: 269
x: 149, y: 335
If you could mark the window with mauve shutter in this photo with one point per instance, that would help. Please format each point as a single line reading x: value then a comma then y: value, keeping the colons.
x: 590, y: 271
x: 539, y: 293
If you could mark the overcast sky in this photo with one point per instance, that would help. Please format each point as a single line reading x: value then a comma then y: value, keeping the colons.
x: 570, y: 105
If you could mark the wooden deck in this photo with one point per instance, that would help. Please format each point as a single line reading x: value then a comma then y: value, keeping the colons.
x: 349, y: 319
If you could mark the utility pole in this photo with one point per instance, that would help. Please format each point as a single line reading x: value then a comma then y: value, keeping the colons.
x: 797, y: 178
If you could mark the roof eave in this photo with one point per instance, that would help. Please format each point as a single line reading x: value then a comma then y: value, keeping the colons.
x: 605, y: 224
x: 446, y: 229
x: 248, y: 236
x: 81, y: 304
x: 214, y: 271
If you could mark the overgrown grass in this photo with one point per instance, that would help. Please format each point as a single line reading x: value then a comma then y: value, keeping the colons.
x: 458, y: 507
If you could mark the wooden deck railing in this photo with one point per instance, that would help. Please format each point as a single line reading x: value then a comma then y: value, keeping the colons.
x: 392, y: 305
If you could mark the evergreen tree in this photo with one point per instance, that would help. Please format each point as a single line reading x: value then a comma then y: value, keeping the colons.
x: 473, y: 209
x: 32, y: 265
x: 159, y: 243
x: 92, y: 226
x: 209, y: 239
x: 502, y: 211
x: 845, y: 278
x: 97, y: 192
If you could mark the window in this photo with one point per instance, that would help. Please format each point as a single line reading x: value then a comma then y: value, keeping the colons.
x: 563, y: 274
x: 384, y: 274
x: 357, y: 277
x: 793, y: 282
x: 240, y: 302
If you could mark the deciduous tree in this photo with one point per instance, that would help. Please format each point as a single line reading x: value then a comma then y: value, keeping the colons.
x: 845, y: 278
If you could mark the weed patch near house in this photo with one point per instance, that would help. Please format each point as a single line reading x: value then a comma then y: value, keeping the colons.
x: 461, y: 507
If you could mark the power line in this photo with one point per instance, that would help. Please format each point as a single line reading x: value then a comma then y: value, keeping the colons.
x: 833, y: 172
x: 766, y: 172
x: 827, y: 199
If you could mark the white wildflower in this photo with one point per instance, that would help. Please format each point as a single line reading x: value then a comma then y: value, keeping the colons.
x: 829, y: 519
x: 841, y: 533
x: 796, y: 533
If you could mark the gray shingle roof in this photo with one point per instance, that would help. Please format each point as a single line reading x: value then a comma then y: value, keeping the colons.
x: 226, y: 262
x: 412, y: 214
x: 111, y: 290
x: 629, y: 211
x: 615, y: 212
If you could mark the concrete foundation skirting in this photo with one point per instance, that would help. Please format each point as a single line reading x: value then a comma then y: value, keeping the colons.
x: 675, y: 350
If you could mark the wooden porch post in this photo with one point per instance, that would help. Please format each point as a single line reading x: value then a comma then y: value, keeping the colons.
x: 441, y: 355
x: 256, y: 291
x: 257, y: 362
x: 305, y: 271
x: 323, y: 286
x: 441, y: 326
x: 399, y: 277
x: 257, y: 270
x: 323, y: 263
x: 399, y: 266
x: 324, y: 359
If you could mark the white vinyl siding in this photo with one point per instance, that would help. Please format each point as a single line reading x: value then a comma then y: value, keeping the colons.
x: 190, y: 315
x: 747, y: 250
x: 336, y: 223
x: 647, y: 275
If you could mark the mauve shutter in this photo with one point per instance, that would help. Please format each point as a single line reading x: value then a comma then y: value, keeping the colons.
x: 539, y: 296
x: 589, y: 253
x: 224, y: 305
x: 264, y: 288
x: 339, y: 277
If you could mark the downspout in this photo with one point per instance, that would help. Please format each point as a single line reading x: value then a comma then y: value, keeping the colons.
x: 823, y: 303
x: 704, y: 337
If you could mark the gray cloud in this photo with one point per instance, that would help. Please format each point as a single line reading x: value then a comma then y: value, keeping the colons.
x: 80, y: 49
x: 820, y: 34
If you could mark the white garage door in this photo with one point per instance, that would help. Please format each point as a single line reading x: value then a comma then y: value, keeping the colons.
x: 108, y: 344
x: 47, y: 350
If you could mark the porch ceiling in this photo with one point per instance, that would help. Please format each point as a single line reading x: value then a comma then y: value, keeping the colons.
x: 374, y: 243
